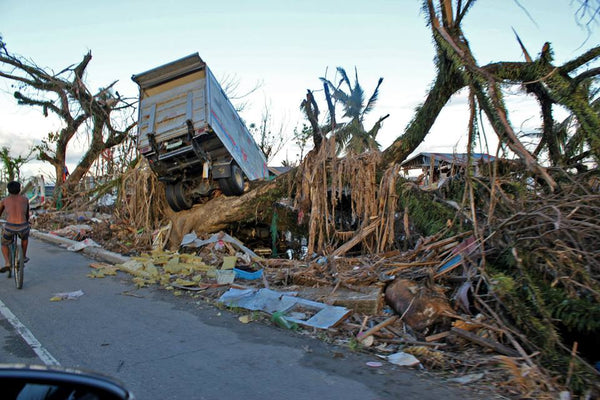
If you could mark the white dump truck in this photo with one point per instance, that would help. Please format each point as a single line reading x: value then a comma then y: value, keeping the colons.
x: 191, y: 134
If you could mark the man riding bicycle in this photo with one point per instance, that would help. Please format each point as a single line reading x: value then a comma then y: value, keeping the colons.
x: 17, y: 221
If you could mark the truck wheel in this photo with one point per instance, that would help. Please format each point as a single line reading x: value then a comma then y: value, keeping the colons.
x: 233, y: 185
x: 185, y: 201
x: 176, y: 197
x: 171, y: 199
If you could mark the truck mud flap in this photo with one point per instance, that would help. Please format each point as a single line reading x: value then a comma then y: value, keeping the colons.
x: 220, y: 171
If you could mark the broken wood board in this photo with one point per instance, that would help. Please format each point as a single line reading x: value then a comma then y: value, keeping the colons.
x: 497, y: 347
x: 362, y: 233
x: 363, y: 336
x: 323, y: 316
x: 437, y: 336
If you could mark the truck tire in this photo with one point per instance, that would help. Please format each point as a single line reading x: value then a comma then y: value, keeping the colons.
x: 176, y: 197
x: 171, y: 199
x: 233, y: 185
x: 185, y: 200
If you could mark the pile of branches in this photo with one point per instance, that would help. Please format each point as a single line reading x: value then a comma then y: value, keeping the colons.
x: 533, y: 274
x: 542, y: 260
x: 560, y: 230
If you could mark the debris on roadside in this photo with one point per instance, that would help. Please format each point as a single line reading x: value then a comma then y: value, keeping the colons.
x: 403, y: 359
x: 67, y: 296
x: 73, y: 232
x: 473, y: 303
x: 395, y: 305
x: 467, y: 379
x: 82, y: 245
x: 101, y: 270
x: 290, y: 308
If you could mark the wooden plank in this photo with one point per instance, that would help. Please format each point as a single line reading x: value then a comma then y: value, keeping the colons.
x: 378, y: 327
x: 362, y: 233
x: 437, y: 336
x: 497, y: 347
x: 367, y: 301
x: 444, y: 242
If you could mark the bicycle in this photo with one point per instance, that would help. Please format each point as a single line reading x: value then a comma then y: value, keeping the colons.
x: 17, y: 261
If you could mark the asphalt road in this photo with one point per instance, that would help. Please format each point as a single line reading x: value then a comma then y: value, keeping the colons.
x: 167, y: 347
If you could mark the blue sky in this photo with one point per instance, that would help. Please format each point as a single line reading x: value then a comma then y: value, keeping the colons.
x: 284, y: 45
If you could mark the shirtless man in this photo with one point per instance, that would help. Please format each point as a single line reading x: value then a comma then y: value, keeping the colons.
x: 17, y: 221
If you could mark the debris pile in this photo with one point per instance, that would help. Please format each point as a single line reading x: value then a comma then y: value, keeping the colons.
x: 487, y: 280
x: 112, y: 233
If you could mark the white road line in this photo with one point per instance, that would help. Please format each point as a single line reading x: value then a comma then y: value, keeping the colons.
x: 26, y: 334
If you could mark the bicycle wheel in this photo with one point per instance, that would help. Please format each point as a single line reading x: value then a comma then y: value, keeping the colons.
x: 19, y: 266
x: 11, y: 257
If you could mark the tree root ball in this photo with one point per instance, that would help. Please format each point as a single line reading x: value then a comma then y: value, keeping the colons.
x: 421, y: 306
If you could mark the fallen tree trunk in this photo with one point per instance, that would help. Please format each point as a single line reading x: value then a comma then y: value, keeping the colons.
x: 221, y: 211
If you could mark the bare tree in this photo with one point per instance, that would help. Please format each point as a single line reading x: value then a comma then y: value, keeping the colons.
x: 270, y: 139
x: 239, y: 97
x: 66, y: 95
x: 588, y: 11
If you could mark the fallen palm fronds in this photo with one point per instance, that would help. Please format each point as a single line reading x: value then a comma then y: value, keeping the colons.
x: 142, y: 201
x: 341, y: 196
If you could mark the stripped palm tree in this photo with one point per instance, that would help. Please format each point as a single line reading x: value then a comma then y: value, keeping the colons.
x: 352, y: 135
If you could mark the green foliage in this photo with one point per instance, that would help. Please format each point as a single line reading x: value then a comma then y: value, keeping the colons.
x: 352, y: 135
x: 11, y: 164
x: 522, y: 296
x: 540, y: 310
x: 502, y: 284
x: 575, y: 313
x: 428, y: 215
x: 301, y: 139
x: 354, y: 344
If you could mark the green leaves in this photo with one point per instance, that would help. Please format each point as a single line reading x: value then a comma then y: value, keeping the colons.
x: 352, y: 135
x: 11, y: 164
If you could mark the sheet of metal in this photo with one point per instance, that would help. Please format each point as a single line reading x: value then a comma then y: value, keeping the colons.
x: 169, y: 71
x: 228, y: 126
x: 271, y: 301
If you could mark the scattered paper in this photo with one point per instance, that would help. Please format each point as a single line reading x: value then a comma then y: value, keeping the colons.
x: 403, y: 359
x: 82, y: 245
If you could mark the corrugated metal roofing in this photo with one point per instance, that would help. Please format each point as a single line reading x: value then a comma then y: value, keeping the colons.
x: 169, y: 71
x: 424, y: 159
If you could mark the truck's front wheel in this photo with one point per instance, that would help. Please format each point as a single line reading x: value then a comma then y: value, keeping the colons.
x: 233, y: 185
x: 177, y: 198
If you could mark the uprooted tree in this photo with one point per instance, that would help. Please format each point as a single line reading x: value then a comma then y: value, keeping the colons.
x: 96, y: 115
x: 457, y: 69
